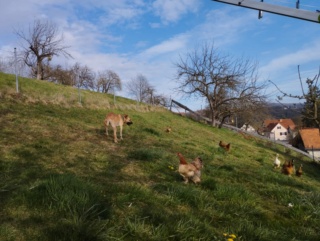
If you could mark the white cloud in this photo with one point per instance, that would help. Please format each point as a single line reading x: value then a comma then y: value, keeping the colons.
x: 86, y: 37
x: 224, y: 26
x: 121, y: 14
x: 171, y: 11
x: 173, y: 45
x: 219, y: 26
x: 283, y: 70
x: 294, y: 58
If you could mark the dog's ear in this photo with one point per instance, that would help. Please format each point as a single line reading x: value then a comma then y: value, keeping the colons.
x: 125, y: 115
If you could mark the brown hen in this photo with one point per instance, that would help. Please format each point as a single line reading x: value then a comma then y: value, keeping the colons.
x: 299, y: 171
x: 225, y: 145
x: 190, y: 171
x: 288, y: 167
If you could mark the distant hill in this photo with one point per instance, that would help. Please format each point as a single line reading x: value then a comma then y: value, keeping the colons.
x: 287, y: 110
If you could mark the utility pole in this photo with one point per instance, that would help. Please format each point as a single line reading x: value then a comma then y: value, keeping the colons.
x: 276, y: 9
x: 16, y: 69
x: 79, y: 93
x: 114, y: 91
x: 78, y: 78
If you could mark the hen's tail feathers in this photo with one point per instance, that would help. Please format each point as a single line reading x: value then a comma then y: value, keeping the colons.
x: 181, y: 158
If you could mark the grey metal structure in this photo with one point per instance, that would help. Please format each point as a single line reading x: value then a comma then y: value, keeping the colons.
x: 276, y: 9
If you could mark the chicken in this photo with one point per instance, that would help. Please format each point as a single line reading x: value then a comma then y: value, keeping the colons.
x: 225, y: 145
x: 288, y: 167
x: 190, y: 171
x: 168, y: 129
x: 299, y: 171
x: 277, y: 163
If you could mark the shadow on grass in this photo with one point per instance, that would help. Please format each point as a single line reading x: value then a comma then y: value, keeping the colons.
x: 75, y: 209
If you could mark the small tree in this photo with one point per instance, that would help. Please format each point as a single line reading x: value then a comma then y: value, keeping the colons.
x: 4, y: 65
x: 42, y: 44
x: 311, y: 112
x: 161, y: 100
x: 253, y: 117
x: 78, y: 76
x: 62, y: 76
x: 108, y: 81
x: 83, y: 77
x: 140, y: 88
x: 229, y: 85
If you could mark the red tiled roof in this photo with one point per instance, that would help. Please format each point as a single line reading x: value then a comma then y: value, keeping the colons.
x: 310, y: 138
x: 286, y: 123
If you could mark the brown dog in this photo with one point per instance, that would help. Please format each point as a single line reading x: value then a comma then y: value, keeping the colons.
x: 116, y: 120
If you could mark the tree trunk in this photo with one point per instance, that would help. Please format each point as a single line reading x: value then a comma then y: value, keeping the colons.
x: 39, y: 70
x: 213, y: 119
x: 221, y: 123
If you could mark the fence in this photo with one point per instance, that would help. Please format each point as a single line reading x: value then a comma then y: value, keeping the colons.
x: 207, y: 120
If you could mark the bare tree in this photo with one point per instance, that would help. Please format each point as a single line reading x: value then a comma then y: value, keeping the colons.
x: 78, y: 76
x: 311, y: 112
x: 83, y: 77
x: 161, y: 100
x: 42, y: 43
x: 3, y: 65
x: 108, y: 81
x: 140, y: 88
x: 150, y: 95
x: 253, y: 117
x: 62, y: 76
x: 229, y: 85
x: 10, y: 65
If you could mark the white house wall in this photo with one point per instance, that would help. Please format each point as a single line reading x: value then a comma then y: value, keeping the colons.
x: 279, y: 133
x: 316, y: 154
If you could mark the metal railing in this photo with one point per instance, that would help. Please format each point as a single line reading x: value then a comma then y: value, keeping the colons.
x: 253, y: 134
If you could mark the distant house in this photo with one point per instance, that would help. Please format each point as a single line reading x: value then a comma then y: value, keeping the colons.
x: 279, y: 129
x: 308, y: 140
x: 248, y: 128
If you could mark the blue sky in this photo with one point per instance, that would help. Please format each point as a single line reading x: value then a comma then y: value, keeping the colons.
x: 146, y: 37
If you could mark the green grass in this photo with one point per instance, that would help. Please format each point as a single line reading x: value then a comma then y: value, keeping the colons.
x: 62, y: 178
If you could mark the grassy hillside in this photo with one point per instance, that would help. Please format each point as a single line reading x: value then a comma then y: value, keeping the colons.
x: 62, y: 178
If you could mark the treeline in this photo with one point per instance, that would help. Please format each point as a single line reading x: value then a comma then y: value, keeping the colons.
x: 231, y: 86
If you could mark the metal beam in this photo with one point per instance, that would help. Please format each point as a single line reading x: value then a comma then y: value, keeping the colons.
x: 281, y: 10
